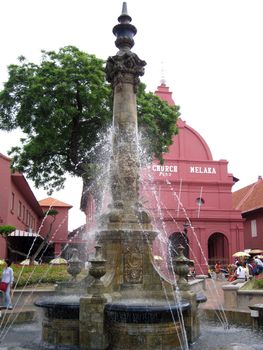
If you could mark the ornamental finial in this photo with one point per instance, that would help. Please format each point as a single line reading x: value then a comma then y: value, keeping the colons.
x: 124, y: 31
x: 124, y: 17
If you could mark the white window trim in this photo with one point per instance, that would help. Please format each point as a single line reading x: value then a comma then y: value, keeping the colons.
x: 254, y: 231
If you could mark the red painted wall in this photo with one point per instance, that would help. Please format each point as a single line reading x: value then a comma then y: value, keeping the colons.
x: 18, y: 206
x: 60, y: 225
x: 23, y: 216
x: 59, y: 230
x: 5, y: 185
x: 249, y: 200
x: 255, y: 242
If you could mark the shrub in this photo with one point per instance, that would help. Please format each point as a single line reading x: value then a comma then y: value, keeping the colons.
x: 258, y: 284
x: 5, y: 230
x: 39, y: 274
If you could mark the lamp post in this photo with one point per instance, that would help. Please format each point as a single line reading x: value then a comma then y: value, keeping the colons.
x: 186, y: 225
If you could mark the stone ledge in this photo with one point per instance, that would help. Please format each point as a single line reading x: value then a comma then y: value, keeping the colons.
x: 231, y: 287
x: 17, y: 316
x: 251, y: 292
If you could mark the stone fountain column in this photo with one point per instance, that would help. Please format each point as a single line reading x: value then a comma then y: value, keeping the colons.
x: 123, y: 71
x: 126, y: 235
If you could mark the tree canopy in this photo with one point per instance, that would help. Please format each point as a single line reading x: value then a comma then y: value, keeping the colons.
x: 62, y: 105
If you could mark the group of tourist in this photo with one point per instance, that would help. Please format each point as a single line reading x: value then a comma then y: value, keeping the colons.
x: 240, y: 271
x: 246, y: 268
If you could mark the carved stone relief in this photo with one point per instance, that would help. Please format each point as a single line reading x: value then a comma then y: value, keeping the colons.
x: 133, y: 264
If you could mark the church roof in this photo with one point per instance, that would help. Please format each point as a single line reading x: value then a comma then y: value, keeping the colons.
x: 4, y: 157
x: 53, y: 202
x: 249, y: 198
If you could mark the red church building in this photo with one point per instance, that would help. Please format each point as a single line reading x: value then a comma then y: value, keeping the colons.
x: 190, y: 198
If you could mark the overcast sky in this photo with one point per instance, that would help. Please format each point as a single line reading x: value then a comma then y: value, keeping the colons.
x: 211, y: 52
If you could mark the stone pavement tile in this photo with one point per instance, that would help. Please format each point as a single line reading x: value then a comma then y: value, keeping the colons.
x: 214, y: 294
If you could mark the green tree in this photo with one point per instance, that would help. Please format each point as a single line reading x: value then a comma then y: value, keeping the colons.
x: 62, y: 105
x: 5, y: 230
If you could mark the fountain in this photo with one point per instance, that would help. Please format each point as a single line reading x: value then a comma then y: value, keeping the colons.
x: 126, y: 304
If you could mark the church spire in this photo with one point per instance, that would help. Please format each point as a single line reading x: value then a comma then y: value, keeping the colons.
x: 163, y: 81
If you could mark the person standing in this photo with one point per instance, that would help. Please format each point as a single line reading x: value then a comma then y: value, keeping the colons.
x: 218, y: 268
x: 251, y: 265
x: 258, y: 266
x: 8, y: 278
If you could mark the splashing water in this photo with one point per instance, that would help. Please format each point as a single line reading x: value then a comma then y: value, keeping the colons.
x: 164, y: 240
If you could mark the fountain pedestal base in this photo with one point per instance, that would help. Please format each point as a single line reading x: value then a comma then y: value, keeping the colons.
x: 92, y: 333
x: 145, y: 326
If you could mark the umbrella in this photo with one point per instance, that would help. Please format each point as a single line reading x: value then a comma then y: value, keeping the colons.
x: 2, y: 262
x: 58, y: 261
x: 241, y: 254
x: 27, y: 262
x: 255, y: 251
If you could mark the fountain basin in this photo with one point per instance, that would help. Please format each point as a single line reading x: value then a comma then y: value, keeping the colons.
x: 60, y: 325
x: 60, y: 307
x: 146, y: 326
x: 128, y: 312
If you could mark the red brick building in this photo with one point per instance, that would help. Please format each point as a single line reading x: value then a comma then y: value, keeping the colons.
x: 20, y: 208
x: 249, y: 200
x: 59, y: 230
x: 190, y: 197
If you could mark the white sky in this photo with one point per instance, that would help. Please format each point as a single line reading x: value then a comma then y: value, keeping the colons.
x: 212, y: 54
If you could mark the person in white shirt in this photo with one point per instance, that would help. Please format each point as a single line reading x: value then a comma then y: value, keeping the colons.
x: 7, y: 277
x: 240, y: 274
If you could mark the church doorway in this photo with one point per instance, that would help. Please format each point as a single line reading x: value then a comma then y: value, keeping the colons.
x: 218, y: 249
